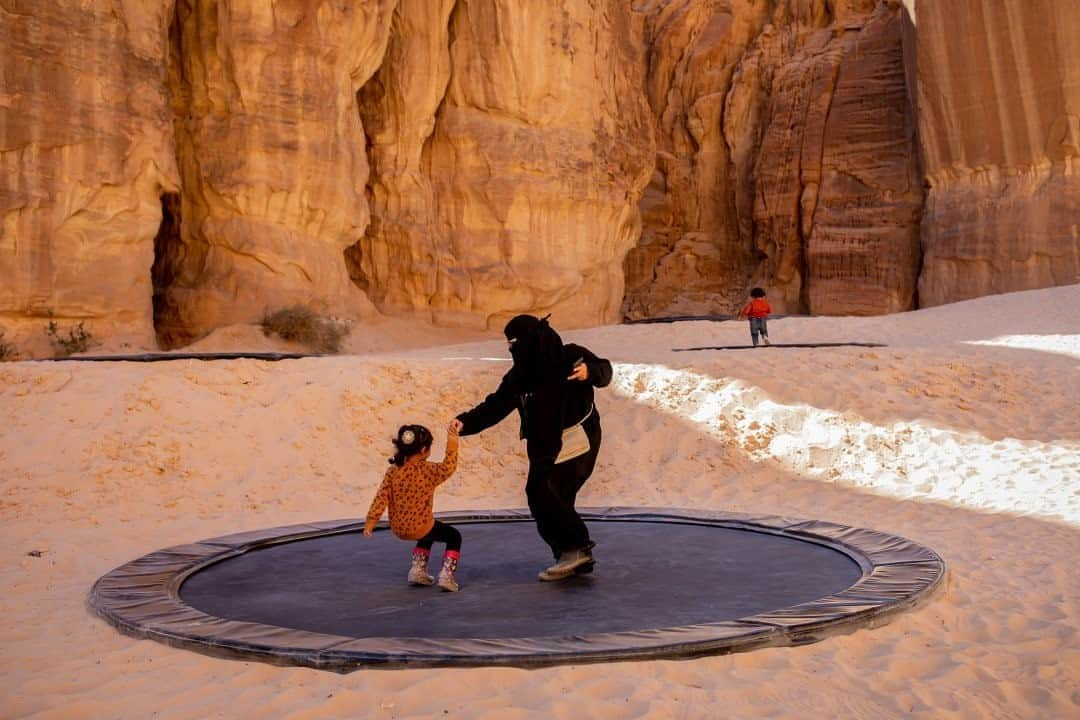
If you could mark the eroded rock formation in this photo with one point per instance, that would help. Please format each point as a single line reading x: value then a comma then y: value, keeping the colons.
x: 85, y: 153
x: 792, y: 164
x: 836, y: 185
x: 272, y: 158
x: 999, y: 99
x: 508, y: 173
x: 174, y: 166
x: 692, y: 256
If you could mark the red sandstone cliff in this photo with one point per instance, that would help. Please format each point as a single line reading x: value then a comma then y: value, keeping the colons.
x: 169, y: 167
x: 787, y: 158
x: 507, y: 174
x: 999, y: 99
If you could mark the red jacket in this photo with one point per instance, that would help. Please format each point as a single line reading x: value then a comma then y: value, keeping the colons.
x: 756, y: 308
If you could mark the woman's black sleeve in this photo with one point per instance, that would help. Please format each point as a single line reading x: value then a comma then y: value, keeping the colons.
x: 492, y: 410
x: 599, y: 368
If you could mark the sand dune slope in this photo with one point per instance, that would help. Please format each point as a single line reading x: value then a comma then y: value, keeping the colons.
x: 963, y: 434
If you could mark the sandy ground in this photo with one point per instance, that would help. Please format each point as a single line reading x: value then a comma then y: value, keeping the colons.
x: 962, y: 434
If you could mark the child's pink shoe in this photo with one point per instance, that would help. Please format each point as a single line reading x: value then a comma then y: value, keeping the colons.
x: 418, y: 574
x: 446, y: 576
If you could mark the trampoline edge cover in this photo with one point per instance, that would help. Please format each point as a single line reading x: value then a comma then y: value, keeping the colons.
x: 144, y: 597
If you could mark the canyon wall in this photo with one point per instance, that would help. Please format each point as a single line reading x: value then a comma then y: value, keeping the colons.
x: 170, y: 167
x: 999, y: 100
x: 85, y: 153
x: 787, y: 158
x: 507, y: 176
x: 692, y: 256
x: 272, y: 161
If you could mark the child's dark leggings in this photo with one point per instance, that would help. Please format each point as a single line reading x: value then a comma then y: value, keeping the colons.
x: 441, y: 533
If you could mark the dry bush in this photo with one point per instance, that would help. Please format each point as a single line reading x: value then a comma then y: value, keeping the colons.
x: 78, y: 338
x: 300, y: 324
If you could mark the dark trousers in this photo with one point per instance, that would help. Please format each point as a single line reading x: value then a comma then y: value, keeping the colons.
x: 758, y: 325
x: 441, y: 533
x: 552, y: 491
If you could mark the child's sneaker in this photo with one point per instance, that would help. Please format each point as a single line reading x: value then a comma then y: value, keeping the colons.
x: 766, y: 341
x: 418, y: 574
x: 446, y: 576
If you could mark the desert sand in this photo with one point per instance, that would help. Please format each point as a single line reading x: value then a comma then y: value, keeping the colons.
x: 963, y: 434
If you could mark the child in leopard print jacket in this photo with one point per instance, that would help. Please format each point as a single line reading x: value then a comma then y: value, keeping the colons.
x: 408, y: 489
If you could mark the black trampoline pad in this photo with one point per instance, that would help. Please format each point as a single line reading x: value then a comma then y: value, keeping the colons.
x: 669, y: 583
x: 649, y: 575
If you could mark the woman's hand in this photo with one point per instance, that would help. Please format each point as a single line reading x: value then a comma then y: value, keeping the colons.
x: 454, y: 427
x: 581, y: 372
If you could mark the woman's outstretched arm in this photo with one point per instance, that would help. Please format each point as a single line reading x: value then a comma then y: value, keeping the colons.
x: 492, y: 410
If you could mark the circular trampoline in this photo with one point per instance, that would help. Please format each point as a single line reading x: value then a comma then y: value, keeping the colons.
x: 668, y: 584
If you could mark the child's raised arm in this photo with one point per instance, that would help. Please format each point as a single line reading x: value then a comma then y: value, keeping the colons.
x: 447, y: 467
x: 378, y: 506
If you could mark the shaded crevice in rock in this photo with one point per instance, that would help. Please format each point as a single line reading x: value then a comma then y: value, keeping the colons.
x: 353, y: 255
x: 174, y: 254
x: 168, y: 256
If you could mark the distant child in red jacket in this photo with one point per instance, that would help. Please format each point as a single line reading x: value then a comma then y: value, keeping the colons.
x: 758, y: 310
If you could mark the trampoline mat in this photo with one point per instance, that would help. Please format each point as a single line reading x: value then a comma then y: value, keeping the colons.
x: 669, y: 583
x: 648, y: 575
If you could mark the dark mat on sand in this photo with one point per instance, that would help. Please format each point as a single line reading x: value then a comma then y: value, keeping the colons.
x: 779, y: 345
x: 162, y: 357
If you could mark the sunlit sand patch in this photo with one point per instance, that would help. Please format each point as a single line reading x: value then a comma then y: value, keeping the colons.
x: 1059, y: 344
x: 905, y: 459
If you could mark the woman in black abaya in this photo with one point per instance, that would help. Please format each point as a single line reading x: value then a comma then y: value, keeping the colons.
x: 551, y: 387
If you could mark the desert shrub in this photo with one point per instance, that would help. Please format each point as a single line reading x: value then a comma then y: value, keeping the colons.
x: 301, y: 325
x: 76, y: 339
x: 7, y: 350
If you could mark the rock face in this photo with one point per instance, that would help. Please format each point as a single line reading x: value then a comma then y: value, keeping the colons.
x: 837, y: 193
x: 692, y: 256
x: 85, y: 153
x: 169, y: 167
x: 792, y: 165
x: 999, y: 106
x: 507, y: 175
x: 272, y: 160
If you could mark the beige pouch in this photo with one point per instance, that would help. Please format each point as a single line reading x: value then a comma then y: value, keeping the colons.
x: 575, y: 442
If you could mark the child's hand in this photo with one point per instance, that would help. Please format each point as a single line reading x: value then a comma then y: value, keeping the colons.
x: 454, y: 427
x: 367, y: 532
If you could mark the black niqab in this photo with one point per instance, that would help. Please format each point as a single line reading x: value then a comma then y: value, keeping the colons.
x: 537, y: 351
